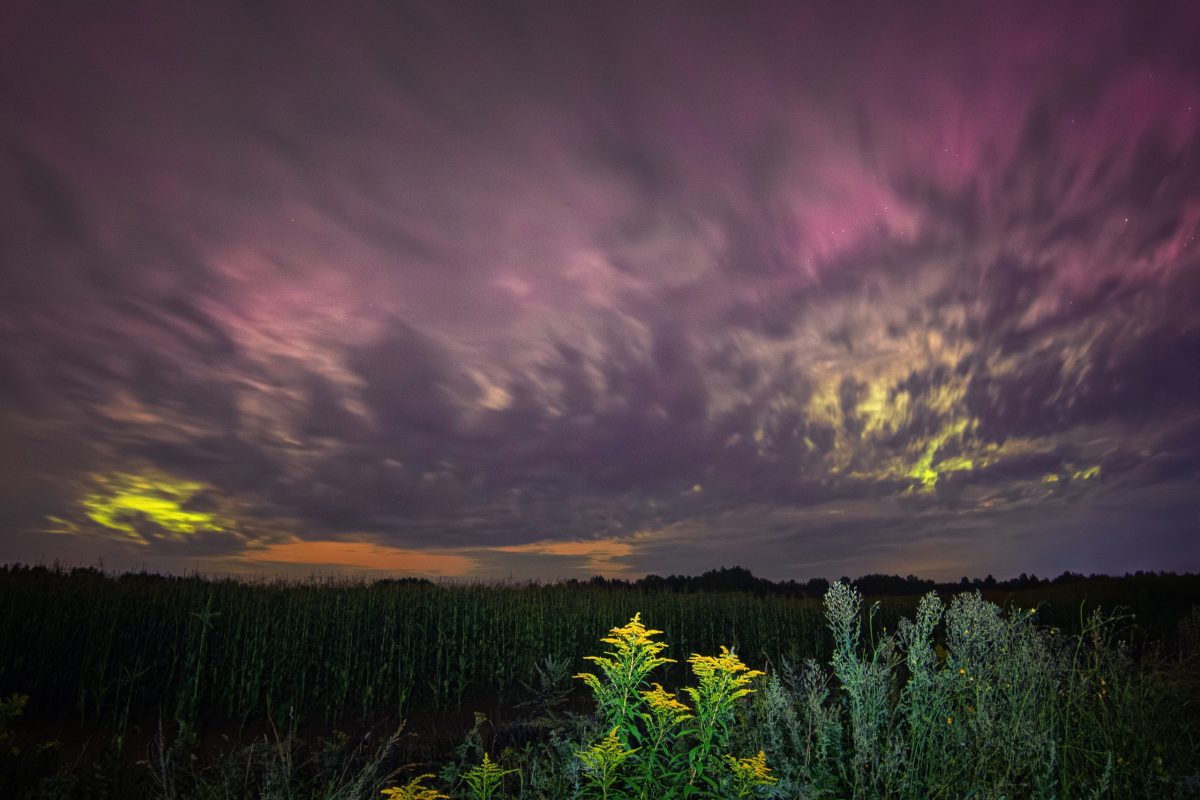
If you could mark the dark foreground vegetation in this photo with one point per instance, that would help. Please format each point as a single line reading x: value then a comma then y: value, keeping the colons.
x: 150, y: 686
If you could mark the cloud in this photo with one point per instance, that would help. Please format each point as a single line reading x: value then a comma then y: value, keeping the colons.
x: 617, y: 289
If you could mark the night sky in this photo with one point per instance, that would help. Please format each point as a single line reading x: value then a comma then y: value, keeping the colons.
x: 550, y: 290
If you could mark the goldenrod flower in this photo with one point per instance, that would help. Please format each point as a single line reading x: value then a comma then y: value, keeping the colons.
x: 666, y: 704
x: 413, y: 790
x: 606, y: 755
x: 634, y: 645
x: 749, y: 773
x: 634, y: 633
x: 723, y: 678
x: 727, y: 663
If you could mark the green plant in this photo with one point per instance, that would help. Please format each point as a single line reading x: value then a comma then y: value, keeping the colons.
x: 675, y: 751
x: 750, y: 774
x: 626, y: 670
x: 868, y: 681
x: 723, y: 680
x: 998, y: 706
x: 662, y: 765
x: 11, y: 707
x: 602, y: 764
x: 485, y: 779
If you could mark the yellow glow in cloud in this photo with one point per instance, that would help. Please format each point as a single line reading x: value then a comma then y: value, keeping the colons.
x: 882, y: 412
x: 362, y: 555
x: 926, y: 471
x: 1084, y: 474
x: 120, y: 500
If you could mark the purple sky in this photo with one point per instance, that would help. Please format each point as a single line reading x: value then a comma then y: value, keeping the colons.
x: 573, y: 288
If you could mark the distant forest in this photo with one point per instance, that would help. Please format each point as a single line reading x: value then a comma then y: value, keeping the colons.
x: 740, y: 579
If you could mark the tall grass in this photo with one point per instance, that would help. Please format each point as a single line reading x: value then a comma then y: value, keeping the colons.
x: 99, y: 648
x: 103, y: 649
x: 971, y: 700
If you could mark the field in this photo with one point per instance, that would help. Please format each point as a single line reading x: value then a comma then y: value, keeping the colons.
x: 148, y: 686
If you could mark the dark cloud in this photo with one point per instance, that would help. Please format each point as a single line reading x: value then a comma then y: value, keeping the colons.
x: 409, y: 384
x: 49, y: 196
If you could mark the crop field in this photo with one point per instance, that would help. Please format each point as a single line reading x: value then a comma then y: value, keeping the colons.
x: 145, y: 686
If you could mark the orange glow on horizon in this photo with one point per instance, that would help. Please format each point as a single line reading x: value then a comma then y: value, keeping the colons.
x: 362, y: 555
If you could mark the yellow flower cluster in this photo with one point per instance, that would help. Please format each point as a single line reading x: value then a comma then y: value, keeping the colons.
x: 634, y: 645
x: 666, y: 704
x: 727, y: 662
x: 710, y: 668
x: 605, y: 755
x: 633, y: 635
x: 749, y: 772
x: 413, y: 790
